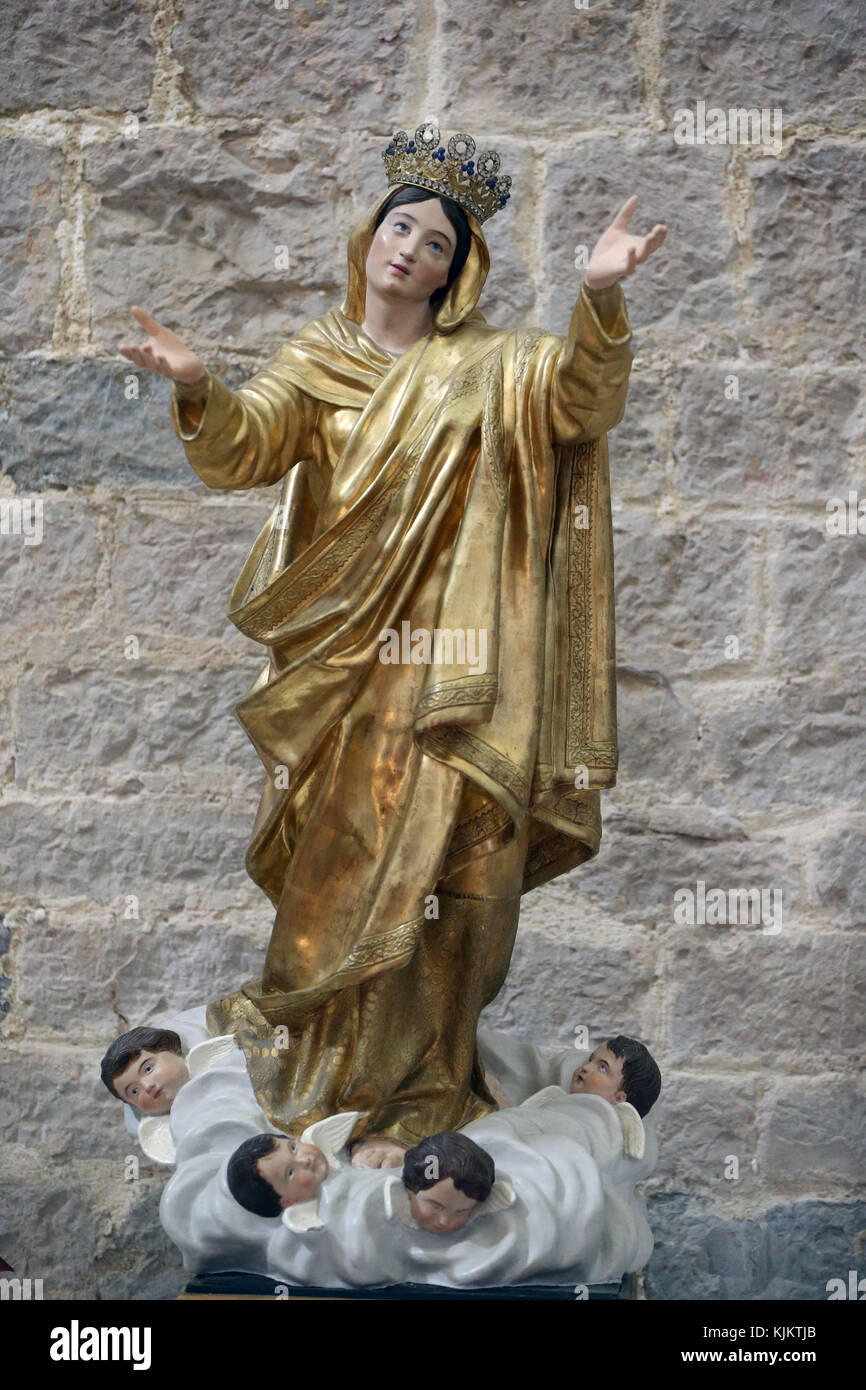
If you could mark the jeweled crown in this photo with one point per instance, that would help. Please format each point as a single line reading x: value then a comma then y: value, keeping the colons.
x: 452, y: 169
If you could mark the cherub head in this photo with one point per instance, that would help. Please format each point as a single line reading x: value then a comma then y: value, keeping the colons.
x: 446, y: 1176
x: 145, y: 1067
x: 620, y: 1069
x: 272, y: 1171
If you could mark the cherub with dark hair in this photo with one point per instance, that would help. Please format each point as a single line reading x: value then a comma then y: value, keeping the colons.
x: 146, y: 1068
x: 275, y: 1174
x: 448, y: 1180
x: 621, y: 1069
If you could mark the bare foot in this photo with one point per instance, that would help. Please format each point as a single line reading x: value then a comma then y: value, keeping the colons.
x: 378, y: 1152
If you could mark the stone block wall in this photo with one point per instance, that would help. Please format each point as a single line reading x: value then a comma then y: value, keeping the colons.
x: 161, y: 153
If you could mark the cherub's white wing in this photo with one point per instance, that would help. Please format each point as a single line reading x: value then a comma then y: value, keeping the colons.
x: 633, y: 1133
x: 303, y: 1217
x: 154, y: 1136
x: 501, y: 1195
x: 204, y: 1054
x: 397, y: 1206
x: 332, y: 1133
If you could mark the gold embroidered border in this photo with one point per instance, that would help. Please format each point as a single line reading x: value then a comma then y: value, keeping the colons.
x: 492, y: 433
x: 526, y: 345
x: 478, y: 827
x: 470, y: 380
x: 381, y: 948
x: 547, y: 851
x: 468, y: 690
x: 499, y: 768
x: 580, y: 750
x: 575, y: 808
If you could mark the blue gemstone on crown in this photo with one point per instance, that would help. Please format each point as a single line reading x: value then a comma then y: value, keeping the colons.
x: 469, y: 182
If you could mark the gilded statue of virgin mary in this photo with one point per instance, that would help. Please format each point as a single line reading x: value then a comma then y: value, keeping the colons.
x: 434, y: 593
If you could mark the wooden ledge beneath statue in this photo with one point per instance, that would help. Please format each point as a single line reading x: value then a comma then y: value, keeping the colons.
x: 231, y: 1285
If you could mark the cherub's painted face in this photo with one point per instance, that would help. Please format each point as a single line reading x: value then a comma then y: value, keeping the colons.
x: 152, y: 1081
x: 600, y: 1076
x: 411, y: 251
x: 294, y: 1170
x: 442, y: 1208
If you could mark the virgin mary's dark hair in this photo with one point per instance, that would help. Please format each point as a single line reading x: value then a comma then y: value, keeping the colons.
x: 408, y: 193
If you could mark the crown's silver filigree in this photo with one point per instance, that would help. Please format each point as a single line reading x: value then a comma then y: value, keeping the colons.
x: 452, y: 169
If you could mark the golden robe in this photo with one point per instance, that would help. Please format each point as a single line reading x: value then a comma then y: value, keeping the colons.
x: 462, y: 486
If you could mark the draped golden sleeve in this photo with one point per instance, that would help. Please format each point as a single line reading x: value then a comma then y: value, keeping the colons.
x: 459, y: 489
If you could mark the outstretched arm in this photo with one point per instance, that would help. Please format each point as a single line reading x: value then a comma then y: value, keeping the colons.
x: 590, y: 380
x: 233, y: 439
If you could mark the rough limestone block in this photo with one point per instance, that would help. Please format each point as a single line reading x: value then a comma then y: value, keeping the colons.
x: 202, y: 548
x: 808, y: 246
x: 786, y: 55
x: 82, y: 53
x: 557, y: 985
x: 587, y: 183
x: 52, y: 1102
x: 790, y: 1000
x: 53, y: 582
x: 125, y: 844
x: 660, y: 733
x: 683, y: 589
x: 788, y: 437
x: 788, y: 1252
x: 72, y: 977
x: 815, y: 1128
x: 172, y: 729
x: 548, y: 57
x: 30, y: 175
x: 795, y: 741
x: 641, y: 870
x: 709, y: 1128
x: 639, y: 444
x: 189, y: 225
x: 839, y: 875
x: 827, y: 639
x: 343, y: 63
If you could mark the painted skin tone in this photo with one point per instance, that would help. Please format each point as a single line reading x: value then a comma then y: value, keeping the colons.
x: 409, y: 258
x: 601, y: 1075
x: 442, y: 1208
x: 397, y: 308
x: 294, y: 1170
x: 377, y: 1151
x: 152, y: 1081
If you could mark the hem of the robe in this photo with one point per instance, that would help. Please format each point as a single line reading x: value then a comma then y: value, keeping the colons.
x: 475, y: 1109
x: 580, y: 852
x: 479, y: 711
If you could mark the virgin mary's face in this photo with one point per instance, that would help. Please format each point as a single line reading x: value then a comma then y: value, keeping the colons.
x: 411, y: 252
